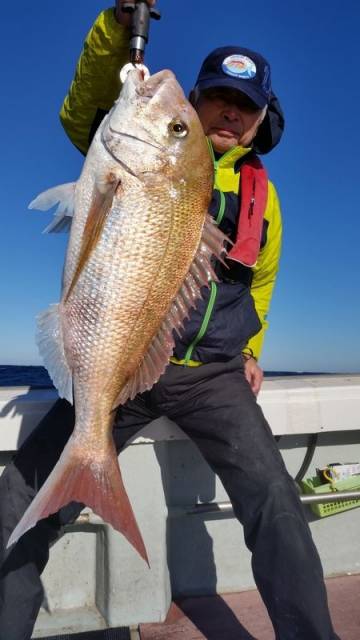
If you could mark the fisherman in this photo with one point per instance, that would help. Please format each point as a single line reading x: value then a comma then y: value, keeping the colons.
x: 210, y: 386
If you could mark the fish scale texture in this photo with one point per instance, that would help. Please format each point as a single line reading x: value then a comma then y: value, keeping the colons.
x: 122, y: 295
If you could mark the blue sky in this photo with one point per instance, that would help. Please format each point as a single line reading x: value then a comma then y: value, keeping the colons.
x: 313, y: 51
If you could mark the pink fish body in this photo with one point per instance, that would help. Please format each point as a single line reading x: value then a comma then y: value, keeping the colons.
x: 139, y: 251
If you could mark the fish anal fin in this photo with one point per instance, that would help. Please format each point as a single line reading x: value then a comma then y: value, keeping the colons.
x: 96, y: 483
x: 50, y: 341
x: 156, y: 359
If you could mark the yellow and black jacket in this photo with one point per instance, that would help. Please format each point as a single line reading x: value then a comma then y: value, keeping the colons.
x: 232, y: 316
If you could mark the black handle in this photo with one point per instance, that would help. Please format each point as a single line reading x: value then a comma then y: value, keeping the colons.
x: 139, y: 28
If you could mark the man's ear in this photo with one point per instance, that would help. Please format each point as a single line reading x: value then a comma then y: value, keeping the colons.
x: 271, y: 129
x: 263, y: 114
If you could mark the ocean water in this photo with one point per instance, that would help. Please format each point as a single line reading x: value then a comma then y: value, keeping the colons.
x: 38, y: 377
x: 14, y: 375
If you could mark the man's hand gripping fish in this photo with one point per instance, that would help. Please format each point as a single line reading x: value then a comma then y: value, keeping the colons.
x: 139, y: 252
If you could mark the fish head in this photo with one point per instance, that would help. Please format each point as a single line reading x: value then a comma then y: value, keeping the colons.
x: 153, y: 130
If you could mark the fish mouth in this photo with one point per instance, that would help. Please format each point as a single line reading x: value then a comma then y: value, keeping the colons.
x: 136, y: 90
x: 107, y: 146
x: 109, y: 133
x: 132, y: 137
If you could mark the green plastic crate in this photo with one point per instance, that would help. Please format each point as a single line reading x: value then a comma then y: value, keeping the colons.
x: 313, y: 486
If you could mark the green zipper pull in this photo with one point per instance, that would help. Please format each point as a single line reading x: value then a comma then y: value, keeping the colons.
x: 214, y: 161
x: 204, y: 324
x: 221, y: 211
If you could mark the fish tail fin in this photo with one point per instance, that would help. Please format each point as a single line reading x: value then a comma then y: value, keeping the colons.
x: 96, y: 483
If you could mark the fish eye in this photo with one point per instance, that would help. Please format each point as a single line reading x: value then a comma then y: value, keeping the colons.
x: 178, y: 128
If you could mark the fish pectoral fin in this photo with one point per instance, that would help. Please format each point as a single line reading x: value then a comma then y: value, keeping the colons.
x: 50, y: 341
x: 100, y: 206
x: 95, y: 483
x: 64, y: 196
x: 156, y: 359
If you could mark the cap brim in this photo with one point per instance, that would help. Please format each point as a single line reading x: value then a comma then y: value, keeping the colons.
x: 243, y: 86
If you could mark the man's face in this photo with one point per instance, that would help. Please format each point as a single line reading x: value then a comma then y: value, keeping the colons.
x: 229, y: 118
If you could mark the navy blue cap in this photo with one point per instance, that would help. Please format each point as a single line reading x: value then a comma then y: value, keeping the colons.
x: 237, y: 68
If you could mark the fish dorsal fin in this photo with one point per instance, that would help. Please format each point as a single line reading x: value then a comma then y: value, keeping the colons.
x: 161, y: 347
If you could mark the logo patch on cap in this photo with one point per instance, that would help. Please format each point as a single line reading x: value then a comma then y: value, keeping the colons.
x: 239, y: 66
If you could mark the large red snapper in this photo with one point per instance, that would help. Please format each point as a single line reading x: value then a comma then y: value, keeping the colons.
x: 139, y: 251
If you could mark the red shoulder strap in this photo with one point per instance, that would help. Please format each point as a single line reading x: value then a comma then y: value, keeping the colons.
x: 254, y: 192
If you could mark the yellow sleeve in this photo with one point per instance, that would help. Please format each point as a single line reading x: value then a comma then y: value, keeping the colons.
x: 266, y: 269
x: 96, y: 84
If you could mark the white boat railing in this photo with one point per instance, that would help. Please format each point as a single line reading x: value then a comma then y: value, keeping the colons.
x: 94, y: 578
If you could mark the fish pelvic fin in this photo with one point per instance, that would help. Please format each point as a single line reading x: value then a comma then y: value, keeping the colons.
x: 50, y: 342
x: 95, y: 483
x: 201, y: 272
x: 64, y: 196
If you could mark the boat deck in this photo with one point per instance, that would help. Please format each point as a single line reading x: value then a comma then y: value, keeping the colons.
x: 235, y: 616
x: 242, y: 616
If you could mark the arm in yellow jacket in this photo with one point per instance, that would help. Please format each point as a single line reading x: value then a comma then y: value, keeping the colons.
x: 96, y: 84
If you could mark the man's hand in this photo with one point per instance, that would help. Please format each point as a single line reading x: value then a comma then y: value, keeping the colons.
x: 253, y: 374
x: 124, y: 18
